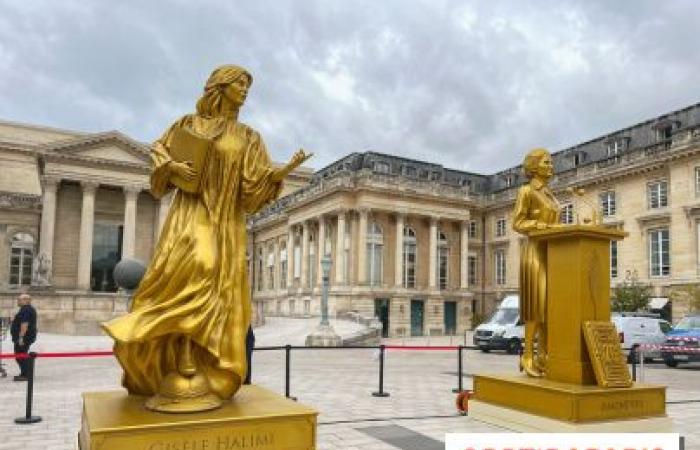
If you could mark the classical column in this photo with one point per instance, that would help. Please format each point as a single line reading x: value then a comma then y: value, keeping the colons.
x: 48, y: 219
x: 340, y: 250
x: 398, y: 258
x: 131, y: 195
x: 290, y: 256
x: 464, y: 255
x: 87, y: 222
x: 304, y: 254
x: 321, y: 249
x: 432, y: 252
x: 362, y: 248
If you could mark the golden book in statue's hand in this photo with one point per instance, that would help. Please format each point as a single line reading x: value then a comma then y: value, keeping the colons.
x: 188, y: 147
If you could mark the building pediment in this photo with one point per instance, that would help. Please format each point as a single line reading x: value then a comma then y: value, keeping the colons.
x: 110, y: 147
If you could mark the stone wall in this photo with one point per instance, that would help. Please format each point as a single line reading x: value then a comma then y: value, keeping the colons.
x: 67, y: 312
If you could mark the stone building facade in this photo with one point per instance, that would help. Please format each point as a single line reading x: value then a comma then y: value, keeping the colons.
x: 418, y: 245
x: 71, y: 206
x: 423, y: 247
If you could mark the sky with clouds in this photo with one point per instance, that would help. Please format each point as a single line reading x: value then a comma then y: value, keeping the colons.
x: 471, y: 85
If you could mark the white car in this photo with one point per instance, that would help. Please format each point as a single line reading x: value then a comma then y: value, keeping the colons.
x: 642, y: 329
x: 503, y: 331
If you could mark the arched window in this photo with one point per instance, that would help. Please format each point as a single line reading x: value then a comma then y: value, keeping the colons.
x: 375, y: 247
x: 21, y: 257
x: 271, y: 267
x: 409, y: 257
x: 311, y: 266
x: 443, y: 258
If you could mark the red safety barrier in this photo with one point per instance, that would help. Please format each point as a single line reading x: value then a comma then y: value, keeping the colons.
x: 56, y: 354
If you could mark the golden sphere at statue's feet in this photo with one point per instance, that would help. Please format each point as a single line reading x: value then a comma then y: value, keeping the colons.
x: 180, y: 394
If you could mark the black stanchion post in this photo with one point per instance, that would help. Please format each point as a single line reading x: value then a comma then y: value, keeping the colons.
x: 381, y: 392
x: 460, y: 387
x: 288, y: 371
x: 28, y: 418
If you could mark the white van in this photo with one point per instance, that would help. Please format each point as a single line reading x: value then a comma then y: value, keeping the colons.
x: 503, y: 331
x: 641, y: 328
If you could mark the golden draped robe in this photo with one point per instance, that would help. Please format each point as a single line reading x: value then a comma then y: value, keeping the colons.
x: 196, y: 284
x: 535, y: 207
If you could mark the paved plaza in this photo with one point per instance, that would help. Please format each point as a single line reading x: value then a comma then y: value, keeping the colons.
x: 338, y: 383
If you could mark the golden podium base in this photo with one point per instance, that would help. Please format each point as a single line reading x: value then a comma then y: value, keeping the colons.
x: 521, y: 403
x: 256, y: 418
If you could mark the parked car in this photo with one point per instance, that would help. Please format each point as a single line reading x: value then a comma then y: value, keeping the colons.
x: 641, y: 329
x: 683, y: 342
x: 503, y: 331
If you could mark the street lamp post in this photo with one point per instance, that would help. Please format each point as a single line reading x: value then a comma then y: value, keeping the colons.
x: 324, y: 335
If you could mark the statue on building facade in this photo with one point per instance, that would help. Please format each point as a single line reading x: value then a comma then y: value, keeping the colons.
x: 41, y: 270
x: 183, y: 343
x: 536, y: 208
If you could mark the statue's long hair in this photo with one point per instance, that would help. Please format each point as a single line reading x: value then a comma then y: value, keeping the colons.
x: 532, y: 160
x: 210, y: 104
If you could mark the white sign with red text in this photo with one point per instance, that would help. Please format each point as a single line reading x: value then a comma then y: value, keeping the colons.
x: 562, y: 441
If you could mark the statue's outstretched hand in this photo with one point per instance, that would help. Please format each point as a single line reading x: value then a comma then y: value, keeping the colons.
x: 298, y: 158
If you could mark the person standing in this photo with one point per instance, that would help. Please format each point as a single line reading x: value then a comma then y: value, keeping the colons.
x: 23, y: 332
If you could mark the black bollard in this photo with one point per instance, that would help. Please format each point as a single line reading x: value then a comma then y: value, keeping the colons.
x: 249, y: 346
x: 28, y: 418
x: 287, y: 371
x: 460, y: 387
x: 381, y: 392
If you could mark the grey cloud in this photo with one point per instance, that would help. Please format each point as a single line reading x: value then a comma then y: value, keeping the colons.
x: 471, y: 85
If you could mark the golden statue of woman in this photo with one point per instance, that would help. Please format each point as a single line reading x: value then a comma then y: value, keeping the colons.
x: 535, y: 209
x: 183, y: 341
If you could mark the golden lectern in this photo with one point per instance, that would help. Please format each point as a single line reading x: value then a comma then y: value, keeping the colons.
x: 570, y: 395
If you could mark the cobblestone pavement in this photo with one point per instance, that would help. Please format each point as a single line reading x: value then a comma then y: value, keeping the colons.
x: 338, y: 383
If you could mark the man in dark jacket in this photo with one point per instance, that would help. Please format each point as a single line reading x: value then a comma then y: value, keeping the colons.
x: 23, y: 332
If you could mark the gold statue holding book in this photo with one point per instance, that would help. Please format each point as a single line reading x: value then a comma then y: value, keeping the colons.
x: 183, y: 341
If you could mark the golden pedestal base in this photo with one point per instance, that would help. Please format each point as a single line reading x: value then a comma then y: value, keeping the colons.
x: 256, y: 418
x: 569, y: 403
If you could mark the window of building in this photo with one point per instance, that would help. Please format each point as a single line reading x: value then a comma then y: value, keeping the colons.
x: 579, y: 158
x: 500, y: 227
x: 664, y: 133
x: 657, y: 193
x: 311, y: 263
x: 443, y: 256
x: 297, y: 259
x: 410, y: 171
x: 283, y: 266
x: 271, y: 267
x: 260, y: 274
x: 381, y: 167
x: 697, y: 180
x: 567, y: 214
x: 607, y: 203
x: 292, y: 308
x: 472, y: 228
x: 375, y: 252
x: 500, y: 260
x: 472, y: 270
x: 279, y: 307
x: 613, y: 259
x: 509, y: 180
x: 409, y: 257
x: 106, y: 253
x: 21, y: 257
x: 615, y: 147
x: 659, y: 253
x: 307, y: 307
